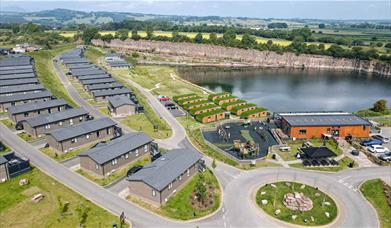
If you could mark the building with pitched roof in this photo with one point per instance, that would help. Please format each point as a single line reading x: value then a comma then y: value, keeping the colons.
x: 111, y: 156
x: 18, y: 99
x: 42, y: 124
x: 305, y: 125
x: 31, y: 110
x: 20, y: 89
x: 22, y: 81
x: 157, y: 181
x: 120, y: 106
x: 68, y: 138
x: 103, y: 95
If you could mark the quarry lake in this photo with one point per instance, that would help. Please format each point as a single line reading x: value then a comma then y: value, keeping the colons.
x: 282, y: 90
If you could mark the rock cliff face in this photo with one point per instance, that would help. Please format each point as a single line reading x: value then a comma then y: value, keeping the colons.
x: 235, y: 56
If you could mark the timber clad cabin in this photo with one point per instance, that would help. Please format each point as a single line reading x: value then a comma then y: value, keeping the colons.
x: 198, y: 104
x: 238, y: 110
x: 184, y: 96
x: 17, y: 71
x: 215, y: 96
x: 14, y: 82
x: 254, y: 114
x: 97, y: 87
x: 33, y: 109
x: 40, y: 125
x: 91, y: 77
x: 16, y: 76
x: 203, y: 109
x: 102, y: 95
x: 96, y: 81
x: 84, y: 72
x: 18, y: 99
x: 16, y: 61
x: 20, y: 89
x: 121, y: 106
x: 211, y: 116
x: 307, y: 125
x: 159, y: 180
x: 230, y: 105
x: 190, y: 100
x: 111, y: 156
x: 68, y: 138
x: 223, y: 100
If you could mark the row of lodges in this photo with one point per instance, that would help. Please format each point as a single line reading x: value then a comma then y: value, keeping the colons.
x: 98, y: 83
x: 115, y: 60
x: 218, y: 106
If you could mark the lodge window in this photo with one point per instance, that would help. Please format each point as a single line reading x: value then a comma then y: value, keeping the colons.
x: 26, y: 114
x: 169, y: 186
x: 108, y: 130
x: 47, y: 126
x: 74, y: 140
x: 180, y: 177
x: 136, y: 152
x: 328, y: 130
x: 153, y: 193
x: 96, y: 166
x: 302, y: 132
x: 49, y: 110
x: 364, y: 127
x: 188, y: 172
x: 145, y: 148
x: 126, y: 155
x: 71, y: 121
x: 87, y: 136
x: 97, y: 134
x: 81, y: 118
x: 114, y: 162
x: 60, y: 123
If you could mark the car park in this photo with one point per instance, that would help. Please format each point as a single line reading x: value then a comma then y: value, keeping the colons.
x: 377, y: 149
x: 381, y: 138
x: 370, y: 142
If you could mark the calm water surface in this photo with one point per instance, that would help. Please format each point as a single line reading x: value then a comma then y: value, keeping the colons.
x: 294, y: 90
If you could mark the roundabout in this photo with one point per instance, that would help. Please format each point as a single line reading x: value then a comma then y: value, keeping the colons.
x: 296, y: 203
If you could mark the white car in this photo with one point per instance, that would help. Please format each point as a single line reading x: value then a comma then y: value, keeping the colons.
x: 378, y: 149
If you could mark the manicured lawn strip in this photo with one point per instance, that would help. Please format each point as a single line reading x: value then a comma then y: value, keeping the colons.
x: 5, y: 149
x: 140, y: 122
x: 184, y: 96
x: 190, y: 105
x: 17, y: 210
x: 250, y: 112
x: 318, y: 211
x: 374, y: 192
x: 234, y: 103
x: 343, y: 164
x: 209, y: 106
x: 213, y: 112
x: 179, y: 207
x: 217, y: 100
x: 59, y: 156
x: 213, y: 95
x: 246, y: 135
x: 195, y: 136
x: 26, y: 137
x: 8, y: 123
x: 116, y: 175
x: 182, y: 102
x: 384, y: 122
x: 47, y: 75
x: 235, y: 109
x: 105, y: 111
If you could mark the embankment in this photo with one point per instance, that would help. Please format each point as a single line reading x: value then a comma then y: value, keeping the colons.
x: 211, y: 55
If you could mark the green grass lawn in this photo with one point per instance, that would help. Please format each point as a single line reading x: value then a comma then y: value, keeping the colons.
x: 275, y: 197
x: 343, y: 164
x: 374, y: 192
x: 246, y: 135
x: 47, y: 75
x: 59, y: 156
x: 179, y: 206
x: 26, y: 137
x: 118, y: 174
x: 17, y: 210
x: 384, y: 122
x: 295, y: 146
x: 140, y: 122
x: 5, y: 149
x: 8, y: 123
x: 105, y: 111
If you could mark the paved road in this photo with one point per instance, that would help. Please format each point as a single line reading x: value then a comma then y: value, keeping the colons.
x: 238, y: 208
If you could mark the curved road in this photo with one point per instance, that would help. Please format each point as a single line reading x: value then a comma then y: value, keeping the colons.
x: 238, y: 208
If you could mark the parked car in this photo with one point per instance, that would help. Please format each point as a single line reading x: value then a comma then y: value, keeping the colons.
x: 355, y: 152
x: 163, y: 98
x: 378, y: 149
x: 133, y: 170
x: 370, y: 142
x: 385, y: 156
x: 381, y: 138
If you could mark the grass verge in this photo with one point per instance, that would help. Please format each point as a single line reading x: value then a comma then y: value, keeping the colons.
x: 26, y: 137
x: 374, y: 192
x: 8, y: 123
x: 17, y: 209
x: 140, y: 122
x: 275, y: 196
x: 179, y: 206
x: 47, y: 75
x: 115, y: 176
x: 59, y: 156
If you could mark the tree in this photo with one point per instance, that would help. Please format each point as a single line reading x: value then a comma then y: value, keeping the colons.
x: 248, y: 41
x: 322, y: 26
x: 229, y: 35
x: 200, y: 189
x: 198, y: 38
x: 213, y: 38
x: 380, y: 106
x: 269, y: 42
x: 135, y: 35
x: 214, y: 164
x: 149, y: 31
x: 122, y: 34
x: 82, y: 214
x: 107, y: 37
x: 89, y: 34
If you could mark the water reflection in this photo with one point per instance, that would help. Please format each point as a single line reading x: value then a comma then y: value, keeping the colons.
x: 292, y: 89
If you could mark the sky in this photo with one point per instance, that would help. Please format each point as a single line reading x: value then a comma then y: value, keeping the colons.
x: 315, y: 9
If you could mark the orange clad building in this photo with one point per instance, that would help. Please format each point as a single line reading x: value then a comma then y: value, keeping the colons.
x: 305, y: 125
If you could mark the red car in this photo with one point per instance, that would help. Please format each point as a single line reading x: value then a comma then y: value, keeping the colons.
x: 163, y: 98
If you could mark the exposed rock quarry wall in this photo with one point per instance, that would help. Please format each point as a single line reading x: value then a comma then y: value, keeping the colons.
x: 248, y: 57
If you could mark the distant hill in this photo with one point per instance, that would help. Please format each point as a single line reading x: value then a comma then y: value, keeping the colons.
x: 65, y: 17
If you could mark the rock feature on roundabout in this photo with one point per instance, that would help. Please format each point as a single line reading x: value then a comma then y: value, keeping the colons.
x: 297, y: 201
